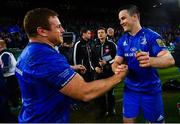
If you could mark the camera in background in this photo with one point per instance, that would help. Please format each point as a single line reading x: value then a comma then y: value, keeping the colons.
x: 69, y: 37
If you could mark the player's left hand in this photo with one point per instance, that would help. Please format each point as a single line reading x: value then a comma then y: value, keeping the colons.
x: 143, y: 58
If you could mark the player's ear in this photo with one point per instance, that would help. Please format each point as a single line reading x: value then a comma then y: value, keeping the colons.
x: 42, y: 32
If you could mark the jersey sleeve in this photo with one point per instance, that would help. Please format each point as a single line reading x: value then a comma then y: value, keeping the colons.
x: 120, y: 51
x: 157, y: 44
x: 54, y: 70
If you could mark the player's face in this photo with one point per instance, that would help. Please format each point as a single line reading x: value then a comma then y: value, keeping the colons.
x: 55, y: 35
x: 126, y: 21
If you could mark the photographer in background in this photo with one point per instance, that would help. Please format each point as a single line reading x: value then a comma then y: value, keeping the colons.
x: 66, y: 48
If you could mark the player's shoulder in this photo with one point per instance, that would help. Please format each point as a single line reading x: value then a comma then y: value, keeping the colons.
x: 151, y: 32
x: 124, y: 36
x: 122, y: 39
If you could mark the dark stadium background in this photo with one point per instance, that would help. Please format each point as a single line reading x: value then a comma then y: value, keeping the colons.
x: 153, y: 11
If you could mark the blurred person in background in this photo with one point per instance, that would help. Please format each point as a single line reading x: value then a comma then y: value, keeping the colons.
x: 8, y: 67
x: 111, y: 34
x: 6, y: 116
x: 83, y: 55
x: 105, y: 50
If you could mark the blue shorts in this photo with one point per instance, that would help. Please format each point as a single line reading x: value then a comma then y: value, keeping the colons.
x: 151, y: 106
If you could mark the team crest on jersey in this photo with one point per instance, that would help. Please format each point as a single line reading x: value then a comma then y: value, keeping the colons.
x: 160, y: 42
x: 125, y: 43
x: 143, y: 40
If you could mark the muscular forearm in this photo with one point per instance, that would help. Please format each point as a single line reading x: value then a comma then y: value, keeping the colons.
x: 162, y: 61
x: 99, y: 87
x: 79, y: 89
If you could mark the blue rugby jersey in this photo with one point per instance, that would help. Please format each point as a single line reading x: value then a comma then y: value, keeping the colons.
x: 141, y: 79
x: 41, y: 72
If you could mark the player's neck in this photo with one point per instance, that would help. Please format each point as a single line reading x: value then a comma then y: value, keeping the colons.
x: 135, y: 29
x: 41, y: 40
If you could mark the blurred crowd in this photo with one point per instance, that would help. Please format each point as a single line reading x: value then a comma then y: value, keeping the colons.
x: 15, y: 37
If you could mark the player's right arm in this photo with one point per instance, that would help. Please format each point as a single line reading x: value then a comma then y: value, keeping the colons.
x: 77, y: 88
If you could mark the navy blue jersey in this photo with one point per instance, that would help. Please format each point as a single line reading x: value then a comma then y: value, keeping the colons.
x: 41, y: 73
x: 141, y: 79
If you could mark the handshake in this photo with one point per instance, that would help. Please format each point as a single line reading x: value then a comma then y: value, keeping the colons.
x: 121, y: 69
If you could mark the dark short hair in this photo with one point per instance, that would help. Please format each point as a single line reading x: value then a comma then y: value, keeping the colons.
x: 102, y: 28
x: 84, y: 30
x: 132, y: 9
x: 37, y: 18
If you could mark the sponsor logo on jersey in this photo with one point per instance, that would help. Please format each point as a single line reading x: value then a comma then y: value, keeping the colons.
x: 133, y: 49
x: 160, y: 42
x: 129, y: 54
